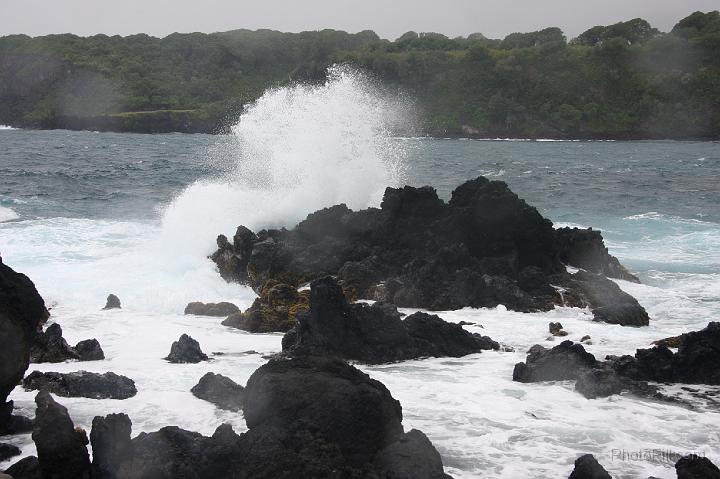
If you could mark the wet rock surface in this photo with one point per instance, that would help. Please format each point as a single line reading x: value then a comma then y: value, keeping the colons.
x: 7, y: 451
x: 219, y: 390
x: 587, y: 467
x: 112, y: 302
x: 186, y: 350
x: 211, y: 309
x: 273, y: 311
x: 307, y: 417
x: 374, y: 333
x: 696, y: 467
x: 585, y: 249
x: 111, y: 444
x: 50, y: 347
x: 697, y: 361
x: 25, y: 468
x: 61, y: 448
x: 82, y: 384
x: 22, y: 313
x: 483, y: 248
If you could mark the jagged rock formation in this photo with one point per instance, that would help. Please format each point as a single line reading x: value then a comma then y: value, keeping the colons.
x: 51, y: 347
x: 697, y: 361
x: 61, y: 448
x: 82, y: 384
x: 376, y: 333
x: 585, y: 249
x: 22, y: 312
x: 483, y: 248
x: 186, y: 350
x: 307, y: 417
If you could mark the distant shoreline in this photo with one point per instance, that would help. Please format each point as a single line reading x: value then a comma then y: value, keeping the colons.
x: 428, y: 135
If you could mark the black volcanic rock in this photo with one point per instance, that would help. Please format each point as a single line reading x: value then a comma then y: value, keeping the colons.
x: 376, y: 333
x: 483, y: 248
x: 7, y: 451
x: 61, y: 448
x: 307, y: 417
x: 564, y: 361
x: 354, y: 412
x: 112, y: 302
x: 697, y: 360
x: 211, y: 309
x: 696, y: 467
x: 50, y: 347
x: 89, y: 350
x: 25, y: 468
x: 607, y: 301
x: 111, y: 444
x: 186, y: 350
x: 82, y: 384
x: 411, y: 457
x: 584, y: 248
x: 22, y: 312
x: 587, y: 467
x: 219, y: 390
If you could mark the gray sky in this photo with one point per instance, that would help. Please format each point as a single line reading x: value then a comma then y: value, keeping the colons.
x: 389, y: 18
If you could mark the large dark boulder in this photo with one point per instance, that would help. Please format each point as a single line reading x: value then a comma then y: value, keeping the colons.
x: 585, y: 249
x: 411, y: 457
x: 273, y: 311
x: 219, y: 390
x: 483, y: 248
x: 61, y: 448
x: 374, y: 333
x: 341, y: 405
x: 25, y: 468
x: 606, y: 300
x: 696, y: 467
x: 7, y: 451
x: 565, y: 361
x: 307, y: 417
x: 111, y: 444
x: 22, y: 312
x: 82, y: 384
x: 186, y: 350
x: 211, y: 309
x: 89, y: 350
x: 587, y: 467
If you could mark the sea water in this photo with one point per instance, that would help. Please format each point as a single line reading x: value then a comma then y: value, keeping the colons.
x: 87, y: 214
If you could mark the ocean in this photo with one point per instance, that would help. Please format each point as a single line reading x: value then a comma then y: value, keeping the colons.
x: 86, y: 214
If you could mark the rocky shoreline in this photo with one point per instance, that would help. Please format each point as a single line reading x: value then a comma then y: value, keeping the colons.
x: 308, y: 411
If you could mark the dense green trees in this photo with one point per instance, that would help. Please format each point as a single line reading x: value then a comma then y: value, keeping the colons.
x: 626, y: 80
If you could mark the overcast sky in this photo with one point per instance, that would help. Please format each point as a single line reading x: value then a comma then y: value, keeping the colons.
x: 389, y: 18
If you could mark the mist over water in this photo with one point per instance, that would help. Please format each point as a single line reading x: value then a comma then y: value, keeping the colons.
x: 295, y: 150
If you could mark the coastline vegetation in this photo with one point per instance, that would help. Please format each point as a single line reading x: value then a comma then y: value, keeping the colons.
x: 622, y: 81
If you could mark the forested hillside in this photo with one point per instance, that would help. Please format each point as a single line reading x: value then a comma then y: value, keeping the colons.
x: 620, y: 81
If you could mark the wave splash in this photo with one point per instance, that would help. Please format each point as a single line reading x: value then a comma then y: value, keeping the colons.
x: 297, y: 149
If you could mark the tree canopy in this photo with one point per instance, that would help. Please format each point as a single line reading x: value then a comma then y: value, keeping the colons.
x: 626, y: 80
